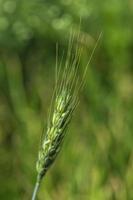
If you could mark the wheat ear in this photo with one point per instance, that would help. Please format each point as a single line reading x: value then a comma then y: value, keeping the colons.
x: 64, y: 102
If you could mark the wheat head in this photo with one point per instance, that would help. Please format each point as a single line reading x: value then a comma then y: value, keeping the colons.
x: 64, y: 102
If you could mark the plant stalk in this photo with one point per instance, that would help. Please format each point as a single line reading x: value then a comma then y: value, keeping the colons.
x: 36, y: 188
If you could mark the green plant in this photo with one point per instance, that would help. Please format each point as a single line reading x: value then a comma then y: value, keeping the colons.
x: 64, y: 101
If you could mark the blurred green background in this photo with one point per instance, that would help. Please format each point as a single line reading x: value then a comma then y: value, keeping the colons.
x: 96, y: 161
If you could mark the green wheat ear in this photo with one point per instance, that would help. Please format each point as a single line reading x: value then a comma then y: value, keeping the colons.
x: 64, y: 102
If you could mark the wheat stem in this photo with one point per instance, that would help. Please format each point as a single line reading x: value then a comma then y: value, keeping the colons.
x: 36, y: 188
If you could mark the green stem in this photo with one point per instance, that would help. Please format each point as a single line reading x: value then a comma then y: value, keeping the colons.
x: 37, y: 185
